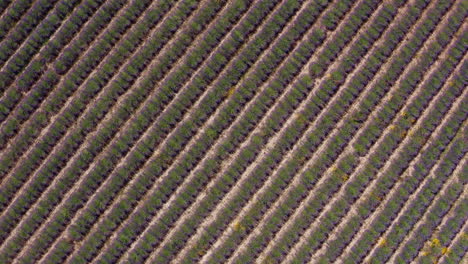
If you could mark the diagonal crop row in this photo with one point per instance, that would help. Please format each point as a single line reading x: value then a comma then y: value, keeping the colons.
x: 451, y: 225
x: 398, y: 196
x: 38, y: 11
x: 446, y: 197
x: 141, y: 128
x: 136, y: 155
x: 284, y: 112
x: 365, y: 212
x: 209, y: 173
x: 437, y: 81
x: 393, y: 208
x: 92, y: 88
x: 318, y: 170
x: 88, y: 124
x: 87, y: 66
x: 293, y: 196
x: 458, y: 247
x: 34, y: 57
x: 269, y: 131
x: 89, y: 60
x: 239, y: 132
x: 394, y: 200
x: 358, y: 83
x: 409, y: 187
x: 280, y: 152
x: 287, y: 170
x: 220, y: 92
x: 339, y: 242
x: 339, y: 208
x: 11, y: 13
x: 442, y: 204
x: 79, y: 42
x: 50, y: 79
x: 338, y: 245
x: 23, y: 54
x: 429, y: 189
x: 69, y: 117
x: 64, y: 122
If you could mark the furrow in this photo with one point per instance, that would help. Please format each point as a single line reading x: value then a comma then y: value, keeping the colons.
x: 116, y: 145
x: 272, y: 182
x: 199, y: 198
x: 39, y: 65
x: 28, y: 23
x: 393, y: 193
x: 11, y: 14
x: 446, y: 231
x: 296, y: 180
x: 279, y: 151
x: 353, y: 212
x: 452, y: 188
x: 61, y: 143
x: 128, y: 187
x: 332, y: 248
x: 243, y: 131
x: 357, y: 116
x: 343, y: 224
x: 35, y: 41
x: 438, y: 250
x: 351, y: 165
x: 345, y: 231
x: 393, y: 205
x: 8, y: 20
x: 121, y: 165
x: 5, y: 5
x: 363, y: 230
x: 86, y: 71
x: 72, y: 81
x: 457, y: 249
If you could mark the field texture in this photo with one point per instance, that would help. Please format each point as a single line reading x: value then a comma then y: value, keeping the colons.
x: 233, y: 131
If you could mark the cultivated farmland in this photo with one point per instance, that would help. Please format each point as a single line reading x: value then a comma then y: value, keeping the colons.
x: 233, y: 131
